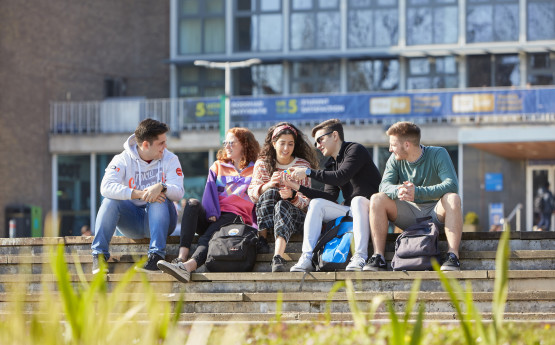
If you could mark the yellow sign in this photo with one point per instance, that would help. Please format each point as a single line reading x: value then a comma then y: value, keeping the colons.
x: 482, y: 102
x: 389, y: 105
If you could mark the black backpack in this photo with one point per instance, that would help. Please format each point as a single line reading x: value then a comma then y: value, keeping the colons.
x: 333, y: 249
x: 416, y: 247
x: 232, y: 248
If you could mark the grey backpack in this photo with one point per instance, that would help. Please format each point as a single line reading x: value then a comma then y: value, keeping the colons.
x: 416, y: 247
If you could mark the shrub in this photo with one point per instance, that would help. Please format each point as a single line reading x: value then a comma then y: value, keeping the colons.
x: 471, y: 218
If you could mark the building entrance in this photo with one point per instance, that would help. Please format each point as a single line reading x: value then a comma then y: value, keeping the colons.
x: 538, y: 177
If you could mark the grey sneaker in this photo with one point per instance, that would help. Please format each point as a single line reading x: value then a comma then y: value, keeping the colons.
x: 451, y: 263
x: 304, y: 264
x: 96, y: 264
x: 356, y: 263
x: 375, y: 263
x: 177, y: 270
x: 278, y: 264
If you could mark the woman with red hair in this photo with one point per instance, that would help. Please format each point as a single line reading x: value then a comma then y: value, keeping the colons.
x: 225, y: 197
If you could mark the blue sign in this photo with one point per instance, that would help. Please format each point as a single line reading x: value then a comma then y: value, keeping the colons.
x: 362, y: 106
x: 496, y: 214
x: 494, y: 182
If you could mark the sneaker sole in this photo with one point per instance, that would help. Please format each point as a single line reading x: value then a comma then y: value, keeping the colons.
x: 353, y: 269
x: 374, y: 269
x: 278, y: 269
x: 168, y: 269
x: 450, y: 268
x: 301, y: 270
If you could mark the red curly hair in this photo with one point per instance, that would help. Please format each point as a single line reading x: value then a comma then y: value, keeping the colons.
x: 251, y: 148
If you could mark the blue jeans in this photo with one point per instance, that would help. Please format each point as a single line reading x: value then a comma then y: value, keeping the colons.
x: 545, y: 221
x: 153, y: 220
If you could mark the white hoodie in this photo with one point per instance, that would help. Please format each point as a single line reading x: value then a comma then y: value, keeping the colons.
x: 127, y: 171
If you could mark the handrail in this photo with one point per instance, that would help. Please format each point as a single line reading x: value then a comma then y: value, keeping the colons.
x: 514, y: 212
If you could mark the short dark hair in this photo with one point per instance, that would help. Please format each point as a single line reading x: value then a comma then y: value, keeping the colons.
x: 406, y: 131
x: 330, y: 125
x: 149, y: 130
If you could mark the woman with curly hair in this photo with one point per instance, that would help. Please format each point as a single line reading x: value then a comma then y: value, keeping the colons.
x: 225, y: 197
x: 277, y: 206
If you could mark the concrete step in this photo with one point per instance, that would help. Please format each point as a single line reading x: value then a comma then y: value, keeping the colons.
x: 316, y: 302
x: 335, y: 317
x: 478, y: 241
x: 119, y: 263
x: 266, y: 282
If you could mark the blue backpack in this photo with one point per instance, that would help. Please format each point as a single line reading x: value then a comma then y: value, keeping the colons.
x: 333, y: 249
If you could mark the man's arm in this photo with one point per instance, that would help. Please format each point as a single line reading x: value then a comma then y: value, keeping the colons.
x: 390, y: 179
x: 174, y: 180
x: 355, y: 156
x: 446, y: 176
x: 113, y: 185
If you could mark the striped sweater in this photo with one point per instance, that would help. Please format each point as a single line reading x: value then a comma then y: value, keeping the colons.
x: 226, y: 191
x: 261, y: 176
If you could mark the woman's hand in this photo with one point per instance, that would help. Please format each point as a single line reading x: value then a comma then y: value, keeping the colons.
x: 212, y: 219
x: 285, y: 193
x: 274, y: 181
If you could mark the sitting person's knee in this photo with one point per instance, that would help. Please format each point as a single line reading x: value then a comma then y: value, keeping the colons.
x: 452, y: 199
x: 378, y: 200
x: 193, y: 202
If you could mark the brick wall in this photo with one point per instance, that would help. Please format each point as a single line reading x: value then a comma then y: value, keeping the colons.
x: 59, y: 50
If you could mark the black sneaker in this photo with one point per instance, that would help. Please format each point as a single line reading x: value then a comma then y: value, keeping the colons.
x: 262, y: 247
x: 150, y: 265
x: 96, y: 264
x: 451, y: 263
x: 375, y: 263
x: 278, y: 264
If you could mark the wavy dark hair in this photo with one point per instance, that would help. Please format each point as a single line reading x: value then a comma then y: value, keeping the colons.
x: 302, y: 148
x: 251, y: 147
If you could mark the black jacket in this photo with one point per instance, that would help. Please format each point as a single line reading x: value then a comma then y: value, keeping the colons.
x: 354, y: 173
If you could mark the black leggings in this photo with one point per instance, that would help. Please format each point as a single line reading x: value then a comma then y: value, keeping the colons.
x: 194, y: 221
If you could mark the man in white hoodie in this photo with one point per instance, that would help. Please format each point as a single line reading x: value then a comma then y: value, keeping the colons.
x: 139, y: 187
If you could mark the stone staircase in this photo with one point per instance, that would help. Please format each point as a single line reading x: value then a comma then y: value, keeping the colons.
x: 252, y: 296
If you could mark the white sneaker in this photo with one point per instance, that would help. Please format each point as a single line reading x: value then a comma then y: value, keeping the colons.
x: 304, y: 264
x: 356, y: 263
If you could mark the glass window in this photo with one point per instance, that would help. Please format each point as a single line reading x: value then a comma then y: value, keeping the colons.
x: 315, y: 77
x: 74, y: 197
x: 373, y: 75
x: 479, y: 71
x: 493, y: 70
x: 541, y: 20
x: 315, y: 24
x: 507, y: 70
x: 259, y: 80
x: 541, y: 69
x: 195, y: 170
x: 372, y: 23
x: 492, y: 20
x: 432, y: 22
x: 200, y: 82
x: 432, y: 73
x: 258, y: 26
x: 201, y: 27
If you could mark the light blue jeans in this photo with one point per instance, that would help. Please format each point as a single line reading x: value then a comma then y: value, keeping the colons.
x: 153, y: 220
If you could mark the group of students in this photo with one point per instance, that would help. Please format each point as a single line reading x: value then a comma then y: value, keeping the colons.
x: 270, y: 188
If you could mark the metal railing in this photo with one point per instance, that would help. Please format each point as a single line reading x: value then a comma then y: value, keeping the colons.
x: 514, y: 212
x: 184, y: 114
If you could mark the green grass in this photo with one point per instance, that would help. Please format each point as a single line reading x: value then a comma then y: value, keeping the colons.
x: 88, y: 312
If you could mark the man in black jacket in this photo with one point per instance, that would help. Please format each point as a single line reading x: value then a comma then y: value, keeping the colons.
x: 350, y: 170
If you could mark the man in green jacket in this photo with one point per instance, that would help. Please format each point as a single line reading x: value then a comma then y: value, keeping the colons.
x: 418, y: 181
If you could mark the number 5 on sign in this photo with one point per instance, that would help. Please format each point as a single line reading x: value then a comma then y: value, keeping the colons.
x: 292, y: 106
x: 200, y: 109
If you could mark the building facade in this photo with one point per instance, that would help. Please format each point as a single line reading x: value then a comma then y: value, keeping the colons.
x: 316, y: 49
